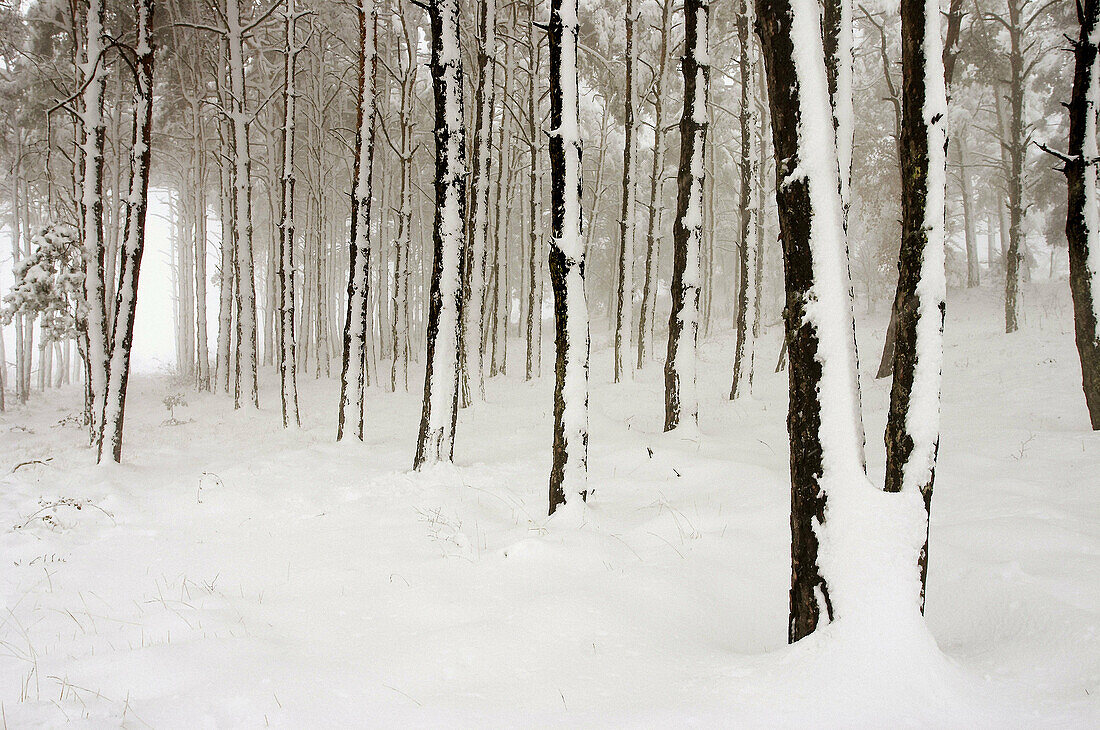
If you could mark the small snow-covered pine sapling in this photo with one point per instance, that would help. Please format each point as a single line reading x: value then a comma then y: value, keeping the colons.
x: 569, y: 469
x: 171, y: 402
x: 681, y: 400
x: 435, y: 441
x: 1083, y: 214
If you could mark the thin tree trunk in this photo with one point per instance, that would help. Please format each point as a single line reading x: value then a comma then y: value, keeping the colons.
x: 569, y: 470
x: 473, y: 284
x: 352, y: 382
x: 973, y: 266
x: 624, y: 308
x: 681, y: 401
x: 1017, y: 147
x: 534, y: 304
x: 435, y: 441
x: 646, y: 314
x: 93, y: 326
x: 134, y: 244
x: 242, y: 185
x: 1083, y: 221
x: 747, y: 249
x: 912, y: 427
x: 288, y: 370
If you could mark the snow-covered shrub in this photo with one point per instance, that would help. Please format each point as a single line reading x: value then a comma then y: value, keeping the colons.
x: 49, y: 282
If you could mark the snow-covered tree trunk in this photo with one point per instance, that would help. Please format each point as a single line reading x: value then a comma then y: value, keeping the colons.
x: 973, y: 266
x: 1083, y: 221
x: 18, y: 319
x: 93, y: 327
x: 473, y: 376
x: 435, y: 441
x: 356, y: 323
x: 569, y: 471
x: 137, y: 204
x: 202, y: 371
x: 681, y: 401
x: 1016, y: 149
x: 826, y: 436
x: 649, y: 283
x: 242, y: 218
x: 912, y: 427
x: 223, y: 363
x: 627, y: 215
x: 288, y: 368
x: 837, y: 25
x: 402, y: 294
x: 534, y: 147
x: 747, y: 250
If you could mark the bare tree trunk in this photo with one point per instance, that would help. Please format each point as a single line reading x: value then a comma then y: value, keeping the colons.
x: 93, y: 324
x: 435, y: 442
x: 912, y: 427
x: 624, y: 307
x: 973, y: 266
x: 288, y: 369
x: 748, y: 249
x: 242, y: 185
x: 534, y: 304
x: 1017, y: 147
x: 223, y: 358
x: 134, y: 244
x: 681, y: 401
x: 569, y: 470
x: 646, y: 314
x: 352, y: 383
x: 1083, y: 221
x: 826, y: 448
x: 473, y: 284
x: 19, y: 319
x: 203, y: 369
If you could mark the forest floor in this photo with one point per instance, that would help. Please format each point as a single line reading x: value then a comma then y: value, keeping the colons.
x: 233, y: 574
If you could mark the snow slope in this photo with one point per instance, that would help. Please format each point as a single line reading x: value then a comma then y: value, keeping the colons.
x: 232, y: 574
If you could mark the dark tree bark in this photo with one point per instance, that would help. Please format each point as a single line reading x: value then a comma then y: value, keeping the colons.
x: 534, y: 286
x: 1017, y: 148
x: 773, y: 24
x: 681, y: 402
x: 474, y: 271
x: 569, y: 469
x: 747, y: 250
x: 134, y: 246
x: 356, y: 323
x: 1080, y: 168
x: 624, y: 304
x: 912, y: 442
x: 649, y: 287
x: 950, y: 53
x: 435, y: 441
x: 288, y: 366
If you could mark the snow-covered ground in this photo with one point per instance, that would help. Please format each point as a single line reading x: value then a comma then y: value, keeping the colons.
x: 233, y: 574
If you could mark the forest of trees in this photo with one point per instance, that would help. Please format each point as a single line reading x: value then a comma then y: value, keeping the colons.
x: 368, y: 187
